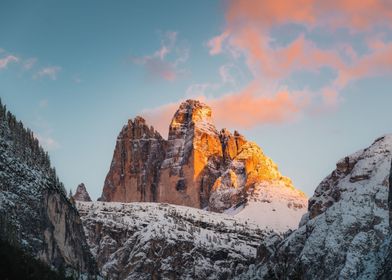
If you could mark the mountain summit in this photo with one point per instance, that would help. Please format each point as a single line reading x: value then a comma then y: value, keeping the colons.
x: 201, y: 167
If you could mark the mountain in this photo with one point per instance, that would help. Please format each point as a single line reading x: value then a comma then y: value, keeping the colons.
x: 163, y: 241
x: 81, y: 193
x: 346, y: 234
x: 35, y: 214
x: 201, y: 167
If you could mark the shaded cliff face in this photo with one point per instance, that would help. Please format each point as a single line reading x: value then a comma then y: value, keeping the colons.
x: 35, y: 213
x: 346, y: 232
x: 162, y: 241
x: 81, y: 193
x: 134, y: 171
x: 197, y: 166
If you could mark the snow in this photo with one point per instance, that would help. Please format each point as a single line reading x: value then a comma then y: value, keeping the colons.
x: 215, y: 243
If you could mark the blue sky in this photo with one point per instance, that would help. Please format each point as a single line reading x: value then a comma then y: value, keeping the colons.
x: 75, y: 71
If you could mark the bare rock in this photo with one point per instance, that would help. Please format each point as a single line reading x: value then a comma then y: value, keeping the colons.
x: 81, y: 193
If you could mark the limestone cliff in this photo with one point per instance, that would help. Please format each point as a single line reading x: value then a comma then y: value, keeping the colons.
x: 134, y: 171
x: 193, y: 157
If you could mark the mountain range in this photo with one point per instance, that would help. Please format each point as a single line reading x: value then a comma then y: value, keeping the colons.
x: 203, y: 204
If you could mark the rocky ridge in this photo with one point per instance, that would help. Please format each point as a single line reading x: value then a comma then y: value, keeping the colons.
x: 346, y: 234
x: 163, y: 241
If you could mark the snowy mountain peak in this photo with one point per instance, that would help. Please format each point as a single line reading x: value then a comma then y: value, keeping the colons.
x: 346, y: 233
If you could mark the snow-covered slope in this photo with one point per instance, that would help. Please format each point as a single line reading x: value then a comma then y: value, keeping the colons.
x: 163, y: 241
x: 272, y: 206
x: 346, y: 233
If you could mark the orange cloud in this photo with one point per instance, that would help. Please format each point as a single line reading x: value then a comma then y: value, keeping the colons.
x: 244, y: 109
x: 378, y: 62
x: 248, y: 108
x: 248, y: 32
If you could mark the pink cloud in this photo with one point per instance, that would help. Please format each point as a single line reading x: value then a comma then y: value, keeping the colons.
x: 7, y: 60
x: 244, y: 109
x: 248, y: 32
x: 248, y: 36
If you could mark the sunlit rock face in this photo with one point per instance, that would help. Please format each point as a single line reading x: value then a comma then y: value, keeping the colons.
x: 134, y: 171
x: 81, y: 193
x: 201, y: 167
x: 193, y: 158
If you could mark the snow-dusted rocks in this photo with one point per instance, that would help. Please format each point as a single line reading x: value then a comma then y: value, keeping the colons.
x: 81, y: 193
x: 346, y: 233
x: 162, y: 241
x: 200, y: 167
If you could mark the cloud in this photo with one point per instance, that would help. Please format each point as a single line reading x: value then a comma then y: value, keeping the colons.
x: 165, y: 63
x: 29, y: 63
x: 249, y: 34
x: 7, y: 60
x: 50, y: 72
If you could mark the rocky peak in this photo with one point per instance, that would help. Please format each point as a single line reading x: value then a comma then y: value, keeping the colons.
x: 197, y: 166
x: 193, y: 156
x: 137, y: 157
x: 191, y: 112
x: 81, y: 193
x: 138, y: 129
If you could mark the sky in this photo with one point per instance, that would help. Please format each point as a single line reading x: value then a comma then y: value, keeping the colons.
x: 309, y: 81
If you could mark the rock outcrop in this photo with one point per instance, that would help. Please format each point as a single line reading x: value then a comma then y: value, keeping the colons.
x: 35, y: 214
x: 137, y: 158
x: 346, y: 233
x: 81, y: 193
x: 197, y: 166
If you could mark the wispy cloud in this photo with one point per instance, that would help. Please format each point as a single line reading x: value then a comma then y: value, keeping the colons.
x: 29, y: 63
x: 49, y: 72
x: 7, y: 60
x: 165, y: 63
